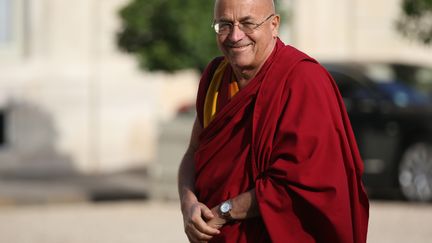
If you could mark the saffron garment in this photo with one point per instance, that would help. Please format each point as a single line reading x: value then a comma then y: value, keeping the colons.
x: 287, y: 136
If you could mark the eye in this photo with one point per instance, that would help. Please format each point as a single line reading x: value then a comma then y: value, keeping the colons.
x: 223, y: 25
x: 248, y: 25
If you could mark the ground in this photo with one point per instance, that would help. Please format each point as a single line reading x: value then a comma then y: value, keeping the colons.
x: 160, y: 221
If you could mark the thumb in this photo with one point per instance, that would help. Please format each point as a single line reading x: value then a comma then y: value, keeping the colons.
x: 208, y: 214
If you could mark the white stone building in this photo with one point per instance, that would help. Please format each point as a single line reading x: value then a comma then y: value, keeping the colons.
x: 70, y: 100
x: 351, y: 29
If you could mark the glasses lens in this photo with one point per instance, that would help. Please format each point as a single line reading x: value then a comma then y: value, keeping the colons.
x: 247, y: 28
x: 222, y: 28
x: 216, y: 28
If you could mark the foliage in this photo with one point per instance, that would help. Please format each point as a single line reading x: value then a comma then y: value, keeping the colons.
x: 416, y: 20
x: 168, y: 35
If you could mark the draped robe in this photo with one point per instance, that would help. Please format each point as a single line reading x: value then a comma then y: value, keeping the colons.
x: 287, y: 136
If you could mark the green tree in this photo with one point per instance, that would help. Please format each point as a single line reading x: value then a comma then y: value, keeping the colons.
x: 168, y: 35
x: 415, y: 21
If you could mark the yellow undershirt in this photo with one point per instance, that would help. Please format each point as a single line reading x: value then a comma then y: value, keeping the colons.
x: 211, y: 99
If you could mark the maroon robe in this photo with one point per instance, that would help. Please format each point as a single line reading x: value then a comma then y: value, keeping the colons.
x: 287, y: 136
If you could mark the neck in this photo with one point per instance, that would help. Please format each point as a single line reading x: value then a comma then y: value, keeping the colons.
x: 243, y: 76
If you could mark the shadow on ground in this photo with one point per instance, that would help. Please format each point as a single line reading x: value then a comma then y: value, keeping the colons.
x: 22, y: 189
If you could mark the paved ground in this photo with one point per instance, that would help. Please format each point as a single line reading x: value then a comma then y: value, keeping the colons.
x: 130, y: 222
x: 155, y: 221
x: 400, y: 222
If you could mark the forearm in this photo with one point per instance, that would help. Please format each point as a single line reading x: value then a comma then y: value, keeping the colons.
x: 244, y: 206
x: 186, y: 174
x: 186, y: 177
x: 195, y: 214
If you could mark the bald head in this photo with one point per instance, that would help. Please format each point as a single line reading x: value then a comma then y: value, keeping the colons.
x: 266, y: 5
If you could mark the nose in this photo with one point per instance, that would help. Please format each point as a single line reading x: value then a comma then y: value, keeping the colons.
x: 236, y: 34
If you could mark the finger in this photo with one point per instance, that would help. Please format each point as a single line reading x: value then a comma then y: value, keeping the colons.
x: 207, y: 213
x: 201, y: 236
x: 196, y: 236
x: 202, y: 226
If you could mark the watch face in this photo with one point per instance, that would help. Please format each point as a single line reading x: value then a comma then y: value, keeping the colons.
x: 225, y: 207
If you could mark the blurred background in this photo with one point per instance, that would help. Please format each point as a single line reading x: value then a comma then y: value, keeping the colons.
x: 97, y: 103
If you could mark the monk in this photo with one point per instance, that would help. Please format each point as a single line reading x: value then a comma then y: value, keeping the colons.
x: 272, y: 156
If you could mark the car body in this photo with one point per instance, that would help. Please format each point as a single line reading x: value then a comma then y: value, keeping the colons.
x: 390, y: 109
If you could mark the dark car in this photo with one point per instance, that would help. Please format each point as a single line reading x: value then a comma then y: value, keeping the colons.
x: 390, y: 108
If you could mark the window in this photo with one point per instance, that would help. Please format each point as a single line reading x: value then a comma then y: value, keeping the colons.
x: 12, y: 26
x: 349, y: 87
x: 5, y: 22
x: 2, y: 128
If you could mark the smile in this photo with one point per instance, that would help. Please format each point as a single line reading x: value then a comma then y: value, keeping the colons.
x: 242, y: 47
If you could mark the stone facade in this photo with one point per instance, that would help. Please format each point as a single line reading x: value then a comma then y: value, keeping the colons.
x: 352, y: 29
x: 71, y: 101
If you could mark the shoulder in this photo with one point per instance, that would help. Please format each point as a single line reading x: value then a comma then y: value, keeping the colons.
x: 311, y: 80
x: 309, y: 68
x: 298, y: 65
x: 204, y: 84
x: 212, y: 65
x: 207, y: 75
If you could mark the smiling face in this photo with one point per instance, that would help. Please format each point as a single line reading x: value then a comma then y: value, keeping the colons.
x: 247, y: 51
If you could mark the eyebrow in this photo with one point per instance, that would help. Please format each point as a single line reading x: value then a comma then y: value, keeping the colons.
x: 248, y: 17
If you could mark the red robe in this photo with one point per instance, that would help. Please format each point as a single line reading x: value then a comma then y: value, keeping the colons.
x: 286, y: 135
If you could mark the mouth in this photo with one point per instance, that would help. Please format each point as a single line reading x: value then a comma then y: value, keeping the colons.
x: 238, y: 47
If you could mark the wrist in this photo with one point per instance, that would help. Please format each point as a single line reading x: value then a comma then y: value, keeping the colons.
x: 218, y: 221
x: 225, y: 210
x: 187, y: 198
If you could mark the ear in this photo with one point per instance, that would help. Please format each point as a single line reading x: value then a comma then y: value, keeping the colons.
x: 275, y: 23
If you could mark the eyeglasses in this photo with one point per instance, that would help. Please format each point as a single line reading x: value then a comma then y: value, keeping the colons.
x: 224, y: 27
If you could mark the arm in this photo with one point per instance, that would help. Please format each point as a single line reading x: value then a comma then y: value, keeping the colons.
x: 186, y: 172
x: 244, y: 206
x: 194, y: 212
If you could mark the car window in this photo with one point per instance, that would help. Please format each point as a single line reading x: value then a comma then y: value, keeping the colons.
x: 351, y: 88
x: 402, y: 94
x: 403, y: 84
x: 423, y: 78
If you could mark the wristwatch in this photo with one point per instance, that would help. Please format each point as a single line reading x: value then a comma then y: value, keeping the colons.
x: 225, y: 209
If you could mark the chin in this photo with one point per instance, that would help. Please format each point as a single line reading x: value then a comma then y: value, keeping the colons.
x: 240, y: 61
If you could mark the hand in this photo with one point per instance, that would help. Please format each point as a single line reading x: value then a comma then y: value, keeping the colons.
x: 195, y: 215
x: 217, y: 221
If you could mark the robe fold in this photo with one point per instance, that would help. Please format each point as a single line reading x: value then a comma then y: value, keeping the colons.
x: 287, y: 136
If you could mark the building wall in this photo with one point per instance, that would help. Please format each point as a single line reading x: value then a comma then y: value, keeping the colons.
x: 73, y: 102
x: 352, y: 29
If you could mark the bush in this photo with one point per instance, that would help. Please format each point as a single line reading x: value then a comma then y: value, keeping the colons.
x: 416, y: 20
x: 168, y: 35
